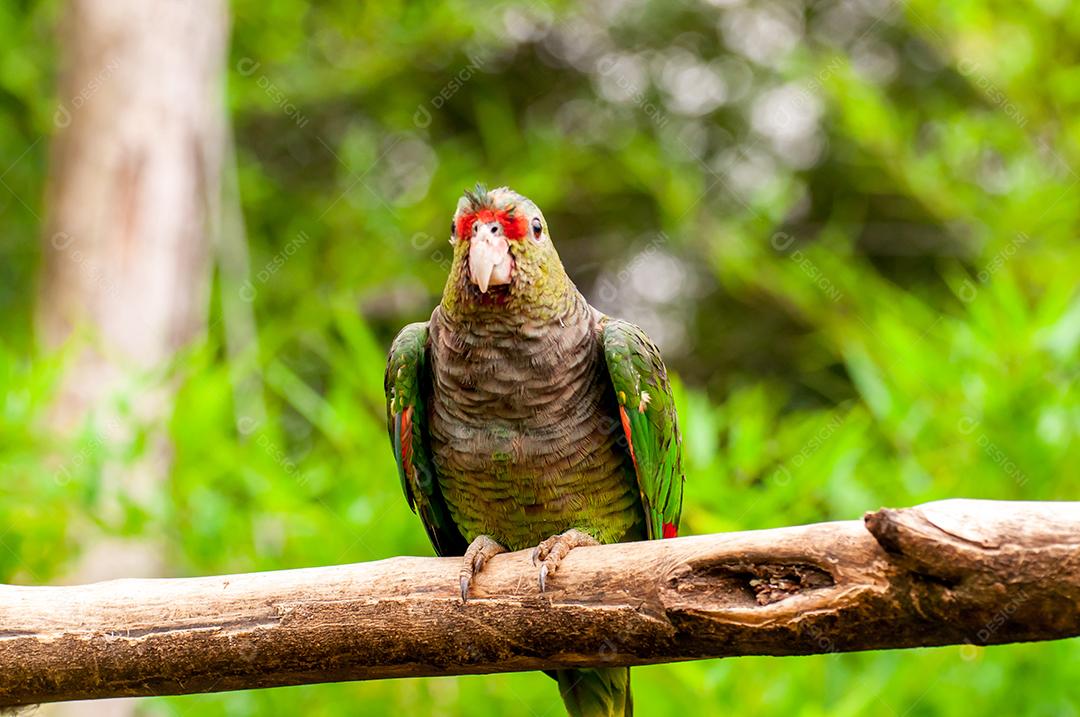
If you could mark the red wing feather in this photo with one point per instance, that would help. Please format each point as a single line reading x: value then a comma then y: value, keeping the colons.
x: 626, y: 432
x: 406, y: 438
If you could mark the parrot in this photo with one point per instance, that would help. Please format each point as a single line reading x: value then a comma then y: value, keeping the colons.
x: 522, y: 417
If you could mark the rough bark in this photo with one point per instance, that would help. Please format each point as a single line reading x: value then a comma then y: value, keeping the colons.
x: 952, y: 572
x: 133, y: 189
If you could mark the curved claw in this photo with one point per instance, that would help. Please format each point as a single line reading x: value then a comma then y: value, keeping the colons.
x: 480, y: 550
x: 550, y: 553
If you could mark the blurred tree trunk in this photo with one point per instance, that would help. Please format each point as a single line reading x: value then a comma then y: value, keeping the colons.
x: 132, y: 203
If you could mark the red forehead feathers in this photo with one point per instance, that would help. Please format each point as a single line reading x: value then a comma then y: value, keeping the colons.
x: 513, y: 224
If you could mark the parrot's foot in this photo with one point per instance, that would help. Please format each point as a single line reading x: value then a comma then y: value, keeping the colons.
x: 550, y: 553
x: 482, y: 549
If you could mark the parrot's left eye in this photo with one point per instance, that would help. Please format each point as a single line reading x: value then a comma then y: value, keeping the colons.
x: 537, y: 228
x: 453, y: 230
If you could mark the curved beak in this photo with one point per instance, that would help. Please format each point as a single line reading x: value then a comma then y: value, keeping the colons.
x: 490, y: 263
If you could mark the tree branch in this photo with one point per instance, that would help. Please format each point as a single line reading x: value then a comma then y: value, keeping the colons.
x: 957, y: 571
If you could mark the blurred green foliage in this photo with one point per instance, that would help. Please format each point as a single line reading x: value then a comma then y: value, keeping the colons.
x: 852, y: 226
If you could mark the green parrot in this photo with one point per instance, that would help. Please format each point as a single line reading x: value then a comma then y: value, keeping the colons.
x: 522, y: 417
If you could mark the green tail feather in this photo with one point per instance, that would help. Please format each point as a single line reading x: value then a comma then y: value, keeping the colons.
x: 596, y: 693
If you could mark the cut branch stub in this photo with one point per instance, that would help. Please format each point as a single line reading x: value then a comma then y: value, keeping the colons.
x: 966, y: 553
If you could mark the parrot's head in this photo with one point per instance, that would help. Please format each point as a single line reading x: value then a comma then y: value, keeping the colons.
x: 503, y: 255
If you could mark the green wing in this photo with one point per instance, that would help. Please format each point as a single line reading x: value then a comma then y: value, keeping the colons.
x: 406, y: 385
x: 647, y: 411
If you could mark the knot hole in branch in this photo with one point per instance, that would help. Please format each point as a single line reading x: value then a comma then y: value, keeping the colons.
x: 745, y: 583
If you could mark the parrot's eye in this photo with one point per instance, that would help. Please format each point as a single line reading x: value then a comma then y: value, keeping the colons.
x: 453, y: 230
x: 537, y: 228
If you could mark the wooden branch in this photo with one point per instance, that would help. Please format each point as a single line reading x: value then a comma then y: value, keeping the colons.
x: 957, y: 571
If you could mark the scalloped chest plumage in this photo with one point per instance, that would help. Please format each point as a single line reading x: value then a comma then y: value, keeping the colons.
x: 524, y: 431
